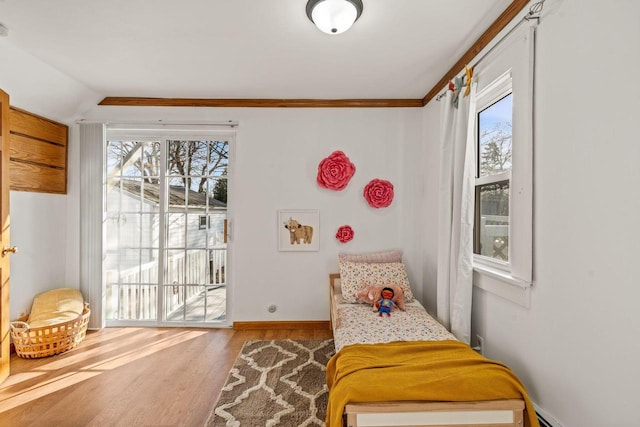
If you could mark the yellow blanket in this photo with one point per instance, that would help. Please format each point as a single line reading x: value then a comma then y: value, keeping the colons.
x: 445, y: 371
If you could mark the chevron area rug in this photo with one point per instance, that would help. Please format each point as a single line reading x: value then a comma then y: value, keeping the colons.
x: 275, y: 383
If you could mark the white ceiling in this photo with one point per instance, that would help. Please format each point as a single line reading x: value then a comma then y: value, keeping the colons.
x: 247, y: 48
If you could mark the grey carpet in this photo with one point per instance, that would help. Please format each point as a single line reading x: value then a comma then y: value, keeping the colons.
x: 275, y: 383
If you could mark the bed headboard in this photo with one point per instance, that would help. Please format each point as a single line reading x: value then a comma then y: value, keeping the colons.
x: 335, y: 295
x: 334, y: 281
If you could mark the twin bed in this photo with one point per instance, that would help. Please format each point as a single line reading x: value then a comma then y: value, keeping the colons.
x: 407, y: 369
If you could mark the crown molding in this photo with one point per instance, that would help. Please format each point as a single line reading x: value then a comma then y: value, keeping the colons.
x: 261, y: 103
x: 483, y: 41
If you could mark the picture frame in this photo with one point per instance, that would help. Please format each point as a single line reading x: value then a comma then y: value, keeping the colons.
x: 298, y: 230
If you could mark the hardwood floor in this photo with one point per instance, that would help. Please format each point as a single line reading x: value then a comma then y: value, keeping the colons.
x: 129, y: 377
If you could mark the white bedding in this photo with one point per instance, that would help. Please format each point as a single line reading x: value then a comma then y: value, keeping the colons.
x: 359, y: 324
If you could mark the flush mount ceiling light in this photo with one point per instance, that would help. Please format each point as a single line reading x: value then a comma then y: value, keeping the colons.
x: 334, y: 16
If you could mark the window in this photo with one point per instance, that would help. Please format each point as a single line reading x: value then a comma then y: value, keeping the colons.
x: 503, y: 215
x: 493, y: 175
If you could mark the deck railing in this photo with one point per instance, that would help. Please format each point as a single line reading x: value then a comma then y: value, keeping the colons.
x: 495, y: 236
x: 135, y: 295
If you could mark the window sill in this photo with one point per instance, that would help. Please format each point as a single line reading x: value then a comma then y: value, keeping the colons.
x: 501, y: 283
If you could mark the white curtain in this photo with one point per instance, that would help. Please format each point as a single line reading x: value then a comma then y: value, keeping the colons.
x: 455, y: 215
x: 91, y: 169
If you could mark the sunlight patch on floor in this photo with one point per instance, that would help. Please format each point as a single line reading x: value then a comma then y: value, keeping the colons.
x: 16, y: 390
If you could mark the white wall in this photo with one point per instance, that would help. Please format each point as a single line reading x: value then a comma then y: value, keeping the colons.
x: 276, y: 158
x: 40, y: 223
x: 431, y: 167
x: 577, y: 347
x: 274, y: 166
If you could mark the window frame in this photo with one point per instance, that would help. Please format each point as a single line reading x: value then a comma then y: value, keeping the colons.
x: 509, y: 66
x: 491, y: 94
x: 148, y: 133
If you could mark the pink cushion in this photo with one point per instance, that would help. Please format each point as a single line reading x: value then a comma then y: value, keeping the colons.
x: 393, y: 255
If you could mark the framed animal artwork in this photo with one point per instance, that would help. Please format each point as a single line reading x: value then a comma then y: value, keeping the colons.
x: 298, y: 230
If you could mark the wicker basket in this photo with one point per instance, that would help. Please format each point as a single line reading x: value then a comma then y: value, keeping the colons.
x: 32, y: 343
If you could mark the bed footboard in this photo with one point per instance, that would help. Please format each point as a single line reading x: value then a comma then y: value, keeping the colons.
x: 436, y: 414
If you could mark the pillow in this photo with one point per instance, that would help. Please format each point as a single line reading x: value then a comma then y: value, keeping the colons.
x: 394, y: 255
x: 356, y: 275
x: 55, y: 306
x: 370, y: 294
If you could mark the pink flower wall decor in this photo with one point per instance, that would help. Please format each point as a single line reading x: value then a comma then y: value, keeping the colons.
x: 344, y: 234
x: 378, y: 193
x: 335, y: 171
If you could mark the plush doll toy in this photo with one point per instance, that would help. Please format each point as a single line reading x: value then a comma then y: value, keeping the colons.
x: 385, y: 304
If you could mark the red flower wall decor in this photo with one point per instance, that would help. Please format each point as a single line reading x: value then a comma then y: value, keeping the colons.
x: 378, y: 193
x: 344, y: 234
x: 335, y: 171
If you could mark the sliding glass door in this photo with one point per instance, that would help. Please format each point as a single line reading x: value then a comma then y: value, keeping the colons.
x: 165, y: 226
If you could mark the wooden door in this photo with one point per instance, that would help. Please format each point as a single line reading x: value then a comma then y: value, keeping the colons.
x: 4, y: 236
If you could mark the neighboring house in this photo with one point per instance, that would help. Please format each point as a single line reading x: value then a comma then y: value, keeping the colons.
x: 132, y: 200
x: 195, y: 255
x: 135, y: 226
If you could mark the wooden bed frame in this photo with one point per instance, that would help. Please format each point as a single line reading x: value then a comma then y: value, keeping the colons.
x: 495, y: 413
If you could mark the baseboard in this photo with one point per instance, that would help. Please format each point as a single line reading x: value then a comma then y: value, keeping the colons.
x: 545, y: 419
x: 306, y: 324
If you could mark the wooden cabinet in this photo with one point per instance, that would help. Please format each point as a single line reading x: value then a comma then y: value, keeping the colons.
x: 38, y: 153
